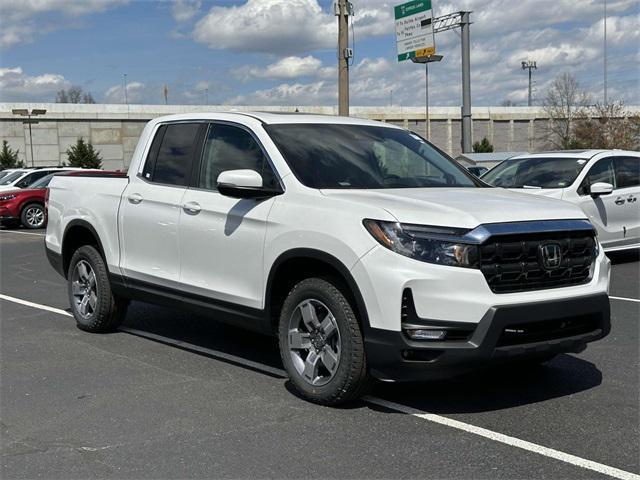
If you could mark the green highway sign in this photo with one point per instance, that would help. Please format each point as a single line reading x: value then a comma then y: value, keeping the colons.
x: 414, y: 29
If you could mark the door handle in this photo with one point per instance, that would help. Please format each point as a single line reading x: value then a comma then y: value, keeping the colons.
x: 619, y: 201
x: 135, y: 198
x: 631, y: 199
x: 192, y: 208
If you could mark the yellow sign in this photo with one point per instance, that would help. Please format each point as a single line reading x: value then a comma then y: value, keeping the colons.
x: 425, y: 52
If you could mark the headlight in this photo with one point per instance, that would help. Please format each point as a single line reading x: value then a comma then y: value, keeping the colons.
x: 6, y: 197
x: 425, y: 243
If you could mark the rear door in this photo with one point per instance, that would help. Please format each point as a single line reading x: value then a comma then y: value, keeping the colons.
x: 222, y: 238
x: 627, y: 170
x: 152, y: 203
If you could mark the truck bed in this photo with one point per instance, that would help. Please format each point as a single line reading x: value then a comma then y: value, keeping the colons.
x: 94, y: 198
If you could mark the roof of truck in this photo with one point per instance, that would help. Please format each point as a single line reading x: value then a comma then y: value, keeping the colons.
x: 271, y: 118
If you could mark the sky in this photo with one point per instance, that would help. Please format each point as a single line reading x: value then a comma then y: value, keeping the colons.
x: 283, y: 52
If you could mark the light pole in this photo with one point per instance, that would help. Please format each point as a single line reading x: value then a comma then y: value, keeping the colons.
x: 23, y: 112
x: 427, y: 60
x: 606, y: 99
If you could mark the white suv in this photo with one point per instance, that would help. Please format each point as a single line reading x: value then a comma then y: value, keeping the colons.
x: 369, y: 252
x: 22, y: 178
x: 605, y: 184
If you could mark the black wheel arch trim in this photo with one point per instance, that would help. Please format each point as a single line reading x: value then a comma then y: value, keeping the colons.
x: 335, y: 263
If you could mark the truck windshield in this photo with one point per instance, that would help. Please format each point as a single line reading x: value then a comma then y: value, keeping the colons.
x: 538, y: 172
x: 334, y: 156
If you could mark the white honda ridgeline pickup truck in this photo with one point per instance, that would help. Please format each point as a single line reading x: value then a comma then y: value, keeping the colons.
x: 364, y: 248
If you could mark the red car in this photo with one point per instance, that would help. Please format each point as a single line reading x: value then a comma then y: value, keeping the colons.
x: 26, y: 206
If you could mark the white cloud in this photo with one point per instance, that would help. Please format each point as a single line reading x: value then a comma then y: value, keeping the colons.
x: 271, y: 26
x: 24, y: 20
x: 316, y: 93
x: 287, y: 68
x: 185, y: 10
x: 136, y: 93
x: 16, y: 86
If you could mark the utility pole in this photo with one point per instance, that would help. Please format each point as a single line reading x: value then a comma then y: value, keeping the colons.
x: 606, y: 99
x: 466, y: 82
x: 343, y: 9
x: 529, y: 65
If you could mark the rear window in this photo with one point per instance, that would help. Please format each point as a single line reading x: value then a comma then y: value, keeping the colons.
x: 627, y: 171
x: 174, y: 149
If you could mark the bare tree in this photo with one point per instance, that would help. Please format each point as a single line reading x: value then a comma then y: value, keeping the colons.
x: 507, y: 103
x: 74, y: 95
x: 564, y: 102
x: 608, y: 126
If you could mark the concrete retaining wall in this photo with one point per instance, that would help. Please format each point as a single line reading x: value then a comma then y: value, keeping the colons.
x: 114, y: 129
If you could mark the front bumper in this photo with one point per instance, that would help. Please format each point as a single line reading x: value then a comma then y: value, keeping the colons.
x: 393, y: 357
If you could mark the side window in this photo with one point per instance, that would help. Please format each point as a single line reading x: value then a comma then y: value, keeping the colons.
x: 33, y: 177
x: 627, y: 171
x: 602, y: 171
x: 232, y: 148
x: 175, y: 154
x: 150, y: 162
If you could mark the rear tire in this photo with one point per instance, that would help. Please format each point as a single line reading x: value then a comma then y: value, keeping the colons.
x: 94, y: 306
x: 33, y: 216
x: 321, y: 343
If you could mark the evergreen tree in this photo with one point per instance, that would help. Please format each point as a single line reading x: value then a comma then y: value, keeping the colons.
x: 83, y: 155
x: 9, y: 157
x: 483, y: 147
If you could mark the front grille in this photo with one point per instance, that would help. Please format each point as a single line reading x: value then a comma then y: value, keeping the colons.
x: 514, y: 264
x: 543, y: 331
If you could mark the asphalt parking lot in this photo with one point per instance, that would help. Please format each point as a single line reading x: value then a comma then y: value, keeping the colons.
x: 174, y: 395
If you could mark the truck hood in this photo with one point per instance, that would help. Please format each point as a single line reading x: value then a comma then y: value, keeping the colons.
x: 460, y: 207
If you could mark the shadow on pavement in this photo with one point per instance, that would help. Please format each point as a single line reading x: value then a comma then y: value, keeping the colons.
x: 498, y: 388
x: 488, y: 390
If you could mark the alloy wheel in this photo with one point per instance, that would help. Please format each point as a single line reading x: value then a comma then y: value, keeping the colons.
x: 313, y: 341
x: 84, y: 289
x: 35, y: 217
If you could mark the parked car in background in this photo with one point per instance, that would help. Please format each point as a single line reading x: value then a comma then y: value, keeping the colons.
x: 604, y: 183
x: 7, y: 171
x: 26, y: 206
x: 24, y: 177
x: 478, y: 171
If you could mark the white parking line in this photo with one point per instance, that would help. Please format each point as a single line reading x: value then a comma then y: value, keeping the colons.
x: 430, y: 417
x: 35, y: 305
x: 625, y: 299
x: 24, y: 233
x: 506, y: 439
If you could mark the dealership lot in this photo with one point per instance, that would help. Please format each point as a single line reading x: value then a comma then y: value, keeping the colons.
x: 176, y: 395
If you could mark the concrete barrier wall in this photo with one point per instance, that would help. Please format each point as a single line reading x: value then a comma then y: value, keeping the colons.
x: 114, y: 129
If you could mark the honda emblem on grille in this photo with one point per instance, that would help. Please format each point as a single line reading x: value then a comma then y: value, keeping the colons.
x: 550, y: 255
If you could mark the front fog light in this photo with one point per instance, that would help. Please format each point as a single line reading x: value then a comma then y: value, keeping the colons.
x: 424, y: 334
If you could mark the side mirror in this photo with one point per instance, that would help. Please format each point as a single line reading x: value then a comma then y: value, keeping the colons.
x: 600, y: 188
x: 244, y: 184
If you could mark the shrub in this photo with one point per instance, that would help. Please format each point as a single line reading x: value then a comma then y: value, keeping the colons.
x: 9, y: 157
x: 83, y: 155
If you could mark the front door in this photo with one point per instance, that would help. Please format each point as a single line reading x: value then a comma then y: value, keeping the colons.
x: 222, y: 238
x: 603, y: 211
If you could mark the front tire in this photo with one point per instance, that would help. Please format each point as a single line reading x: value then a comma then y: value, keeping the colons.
x: 94, y: 306
x: 321, y: 343
x: 33, y: 216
